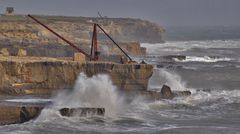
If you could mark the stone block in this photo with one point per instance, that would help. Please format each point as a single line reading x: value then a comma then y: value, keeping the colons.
x: 4, y: 52
x: 79, y: 57
x: 22, y: 52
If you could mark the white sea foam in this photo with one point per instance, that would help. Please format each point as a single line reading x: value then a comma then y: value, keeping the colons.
x: 190, y: 67
x: 217, y: 97
x: 181, y: 46
x: 172, y: 79
x: 96, y: 91
x: 163, y: 76
x: 202, y: 59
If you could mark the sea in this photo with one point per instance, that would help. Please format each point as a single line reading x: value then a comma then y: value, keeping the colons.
x: 208, y: 67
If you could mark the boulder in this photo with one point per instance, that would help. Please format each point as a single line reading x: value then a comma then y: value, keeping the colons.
x: 18, y: 114
x: 166, y: 92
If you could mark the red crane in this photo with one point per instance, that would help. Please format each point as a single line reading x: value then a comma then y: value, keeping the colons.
x: 94, y: 48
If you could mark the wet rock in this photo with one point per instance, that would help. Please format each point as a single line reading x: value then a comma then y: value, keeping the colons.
x: 178, y: 57
x: 151, y: 95
x: 183, y: 93
x: 166, y: 92
x: 27, y: 113
x: 82, y: 112
x: 13, y: 115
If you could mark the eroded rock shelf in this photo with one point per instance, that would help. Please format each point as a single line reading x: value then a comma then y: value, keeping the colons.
x: 43, y: 76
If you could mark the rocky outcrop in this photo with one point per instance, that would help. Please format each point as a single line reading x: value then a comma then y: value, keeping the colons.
x: 38, y: 76
x: 82, y: 112
x: 165, y: 93
x: 18, y: 114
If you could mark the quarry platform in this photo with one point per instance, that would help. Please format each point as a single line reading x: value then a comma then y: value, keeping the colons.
x: 44, y: 76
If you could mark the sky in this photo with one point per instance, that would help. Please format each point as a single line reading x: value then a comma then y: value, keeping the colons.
x: 164, y: 12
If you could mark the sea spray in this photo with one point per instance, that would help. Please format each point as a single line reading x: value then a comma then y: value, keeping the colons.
x: 200, y: 97
x: 170, y: 78
x: 96, y: 91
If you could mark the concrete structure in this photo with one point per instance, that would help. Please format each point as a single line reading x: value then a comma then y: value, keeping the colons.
x: 9, y: 11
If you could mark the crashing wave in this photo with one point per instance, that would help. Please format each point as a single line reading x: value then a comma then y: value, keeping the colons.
x: 202, y: 59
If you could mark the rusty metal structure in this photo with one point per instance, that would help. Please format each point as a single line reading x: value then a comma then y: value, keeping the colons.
x: 94, y: 54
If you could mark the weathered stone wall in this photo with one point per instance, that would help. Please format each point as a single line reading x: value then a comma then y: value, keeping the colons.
x: 28, y: 75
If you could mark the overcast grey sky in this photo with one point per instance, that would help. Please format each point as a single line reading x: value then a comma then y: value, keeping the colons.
x: 166, y: 12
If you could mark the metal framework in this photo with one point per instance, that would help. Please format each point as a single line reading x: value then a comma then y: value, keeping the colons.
x: 94, y: 55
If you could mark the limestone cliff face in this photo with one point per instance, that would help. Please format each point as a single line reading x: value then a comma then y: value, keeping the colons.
x: 22, y: 32
x: 33, y: 75
x: 23, y: 29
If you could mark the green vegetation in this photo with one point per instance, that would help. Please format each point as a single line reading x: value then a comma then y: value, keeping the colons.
x: 13, y: 18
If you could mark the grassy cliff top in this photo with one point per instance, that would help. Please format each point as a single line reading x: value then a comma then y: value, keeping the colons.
x: 65, y: 18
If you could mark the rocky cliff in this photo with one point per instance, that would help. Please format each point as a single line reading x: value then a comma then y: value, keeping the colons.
x: 22, y: 32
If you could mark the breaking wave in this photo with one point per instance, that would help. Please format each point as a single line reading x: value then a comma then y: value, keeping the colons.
x: 163, y: 76
x: 181, y: 46
x: 204, y: 101
x: 96, y: 91
x: 202, y: 59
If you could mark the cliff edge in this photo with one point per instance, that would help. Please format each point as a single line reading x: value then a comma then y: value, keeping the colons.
x: 19, y: 31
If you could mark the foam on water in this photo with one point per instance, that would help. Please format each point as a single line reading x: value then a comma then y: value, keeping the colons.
x: 202, y: 59
x: 214, y: 97
x: 163, y: 76
x: 180, y: 46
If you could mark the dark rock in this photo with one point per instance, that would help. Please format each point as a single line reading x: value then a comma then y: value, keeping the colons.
x: 151, y: 95
x: 182, y: 93
x: 166, y: 92
x: 13, y: 115
x: 82, y: 111
x: 178, y: 57
x: 27, y: 114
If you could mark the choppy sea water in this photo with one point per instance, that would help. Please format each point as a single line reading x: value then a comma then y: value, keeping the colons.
x: 210, y: 70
